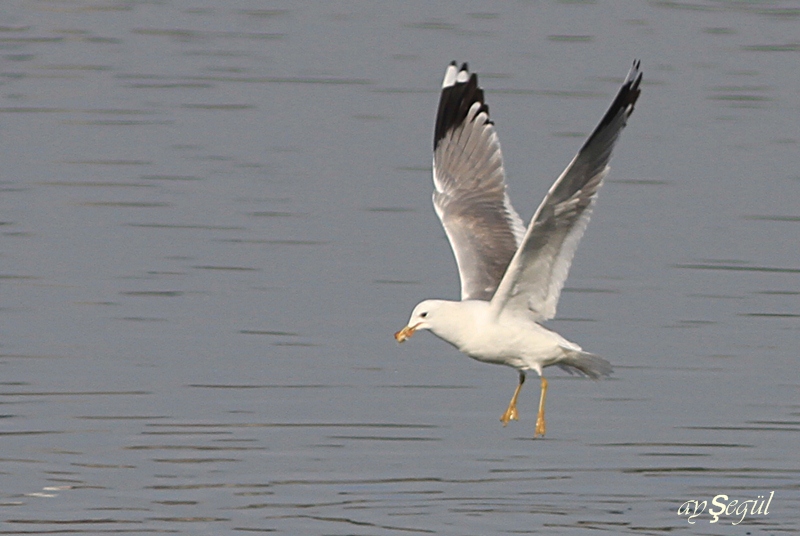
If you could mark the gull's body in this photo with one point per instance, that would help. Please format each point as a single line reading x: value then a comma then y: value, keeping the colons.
x: 513, y: 338
x: 511, y: 277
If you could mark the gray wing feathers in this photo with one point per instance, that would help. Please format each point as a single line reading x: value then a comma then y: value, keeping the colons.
x: 550, y: 248
x: 470, y: 190
x: 537, y: 272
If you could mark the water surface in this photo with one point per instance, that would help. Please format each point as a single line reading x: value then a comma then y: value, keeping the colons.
x: 215, y: 215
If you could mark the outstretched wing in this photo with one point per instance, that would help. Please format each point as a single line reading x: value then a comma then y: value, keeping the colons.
x: 537, y: 272
x: 470, y: 188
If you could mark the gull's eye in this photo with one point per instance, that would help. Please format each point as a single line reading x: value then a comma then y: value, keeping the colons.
x: 423, y: 315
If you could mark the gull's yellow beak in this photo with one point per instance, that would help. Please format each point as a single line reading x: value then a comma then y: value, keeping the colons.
x: 405, y: 333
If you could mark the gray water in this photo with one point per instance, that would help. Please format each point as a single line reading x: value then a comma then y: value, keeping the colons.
x: 216, y: 214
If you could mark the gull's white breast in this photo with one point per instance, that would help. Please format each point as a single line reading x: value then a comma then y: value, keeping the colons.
x: 513, y: 338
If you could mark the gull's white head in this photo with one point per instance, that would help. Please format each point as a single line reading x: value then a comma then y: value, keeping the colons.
x: 422, y: 317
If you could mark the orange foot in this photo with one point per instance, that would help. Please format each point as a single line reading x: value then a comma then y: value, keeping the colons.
x: 510, y: 414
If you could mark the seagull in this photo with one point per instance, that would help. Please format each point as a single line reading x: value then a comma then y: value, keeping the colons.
x: 511, y: 277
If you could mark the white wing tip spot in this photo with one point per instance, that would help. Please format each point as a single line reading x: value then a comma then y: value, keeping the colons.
x: 450, y: 76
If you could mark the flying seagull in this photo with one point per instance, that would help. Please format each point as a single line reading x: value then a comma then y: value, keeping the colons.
x: 511, y: 277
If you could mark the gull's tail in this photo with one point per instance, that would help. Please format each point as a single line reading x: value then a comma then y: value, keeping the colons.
x: 585, y: 364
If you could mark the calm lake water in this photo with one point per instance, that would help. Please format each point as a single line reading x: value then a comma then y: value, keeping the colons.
x: 215, y: 215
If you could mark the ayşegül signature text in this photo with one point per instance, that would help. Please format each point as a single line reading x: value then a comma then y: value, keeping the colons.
x: 724, y: 506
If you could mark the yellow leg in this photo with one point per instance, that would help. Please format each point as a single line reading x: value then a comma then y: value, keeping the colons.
x: 511, y: 412
x: 540, y: 426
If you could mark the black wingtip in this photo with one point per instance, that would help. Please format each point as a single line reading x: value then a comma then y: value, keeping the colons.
x: 455, y: 102
x: 632, y: 84
x: 627, y: 96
